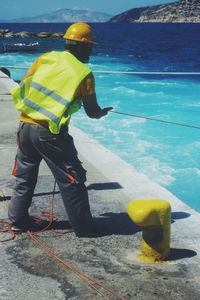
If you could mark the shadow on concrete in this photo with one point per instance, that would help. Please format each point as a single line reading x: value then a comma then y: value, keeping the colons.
x: 176, y: 254
x: 104, y: 186
x: 4, y: 198
x: 60, y: 225
x: 108, y: 224
x: 93, y: 186
x: 180, y: 215
x: 116, y: 223
x: 46, y: 194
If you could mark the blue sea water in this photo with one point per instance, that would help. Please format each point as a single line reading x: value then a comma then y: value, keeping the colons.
x: 169, y: 154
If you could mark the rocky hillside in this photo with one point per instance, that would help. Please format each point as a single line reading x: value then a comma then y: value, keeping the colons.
x: 181, y: 11
x: 65, y: 16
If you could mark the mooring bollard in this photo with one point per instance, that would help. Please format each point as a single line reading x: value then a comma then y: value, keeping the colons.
x: 155, y: 218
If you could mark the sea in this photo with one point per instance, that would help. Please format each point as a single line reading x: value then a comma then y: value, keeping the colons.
x: 167, y: 152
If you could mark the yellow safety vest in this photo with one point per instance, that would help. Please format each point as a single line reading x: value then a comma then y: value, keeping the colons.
x: 49, y: 93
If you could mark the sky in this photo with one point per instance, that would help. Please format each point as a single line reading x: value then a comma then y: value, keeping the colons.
x: 11, y: 9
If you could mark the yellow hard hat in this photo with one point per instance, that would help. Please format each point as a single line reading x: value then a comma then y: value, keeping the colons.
x: 80, y: 31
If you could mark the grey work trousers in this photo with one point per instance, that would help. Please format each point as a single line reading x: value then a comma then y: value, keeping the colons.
x: 35, y: 143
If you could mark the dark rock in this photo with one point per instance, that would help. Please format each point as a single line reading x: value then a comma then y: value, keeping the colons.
x: 9, y: 34
x: 6, y: 33
x: 182, y: 11
x: 57, y: 35
x: 43, y: 34
x: 23, y: 34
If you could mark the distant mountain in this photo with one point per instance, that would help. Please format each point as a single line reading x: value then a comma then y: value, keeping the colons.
x: 181, y: 11
x: 64, y: 16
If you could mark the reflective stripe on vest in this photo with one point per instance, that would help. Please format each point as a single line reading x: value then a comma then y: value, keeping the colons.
x: 42, y: 110
x: 49, y: 92
x: 39, y: 108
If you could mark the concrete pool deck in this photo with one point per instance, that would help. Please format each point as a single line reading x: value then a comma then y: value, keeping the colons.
x: 28, y: 272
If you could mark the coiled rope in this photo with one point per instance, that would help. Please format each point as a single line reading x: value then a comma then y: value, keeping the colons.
x: 89, y: 281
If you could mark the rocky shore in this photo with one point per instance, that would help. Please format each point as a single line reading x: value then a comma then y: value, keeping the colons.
x: 6, y: 33
x: 181, y: 11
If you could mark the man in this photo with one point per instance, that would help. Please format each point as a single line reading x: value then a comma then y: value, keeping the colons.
x: 54, y: 87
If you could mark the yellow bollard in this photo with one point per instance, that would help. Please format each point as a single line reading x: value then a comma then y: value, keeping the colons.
x: 155, y: 218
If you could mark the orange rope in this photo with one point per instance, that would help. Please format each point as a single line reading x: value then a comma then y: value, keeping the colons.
x: 88, y: 280
x: 6, y: 228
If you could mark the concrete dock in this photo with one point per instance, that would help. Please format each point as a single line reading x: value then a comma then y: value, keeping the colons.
x: 28, y: 272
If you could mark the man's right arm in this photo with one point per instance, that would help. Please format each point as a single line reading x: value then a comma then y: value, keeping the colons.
x: 92, y: 109
x: 88, y: 95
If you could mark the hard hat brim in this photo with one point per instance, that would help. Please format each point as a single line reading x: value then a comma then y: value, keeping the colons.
x: 83, y: 40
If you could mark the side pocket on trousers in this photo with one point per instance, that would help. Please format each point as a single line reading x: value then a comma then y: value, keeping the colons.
x: 49, y: 140
x: 76, y: 173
